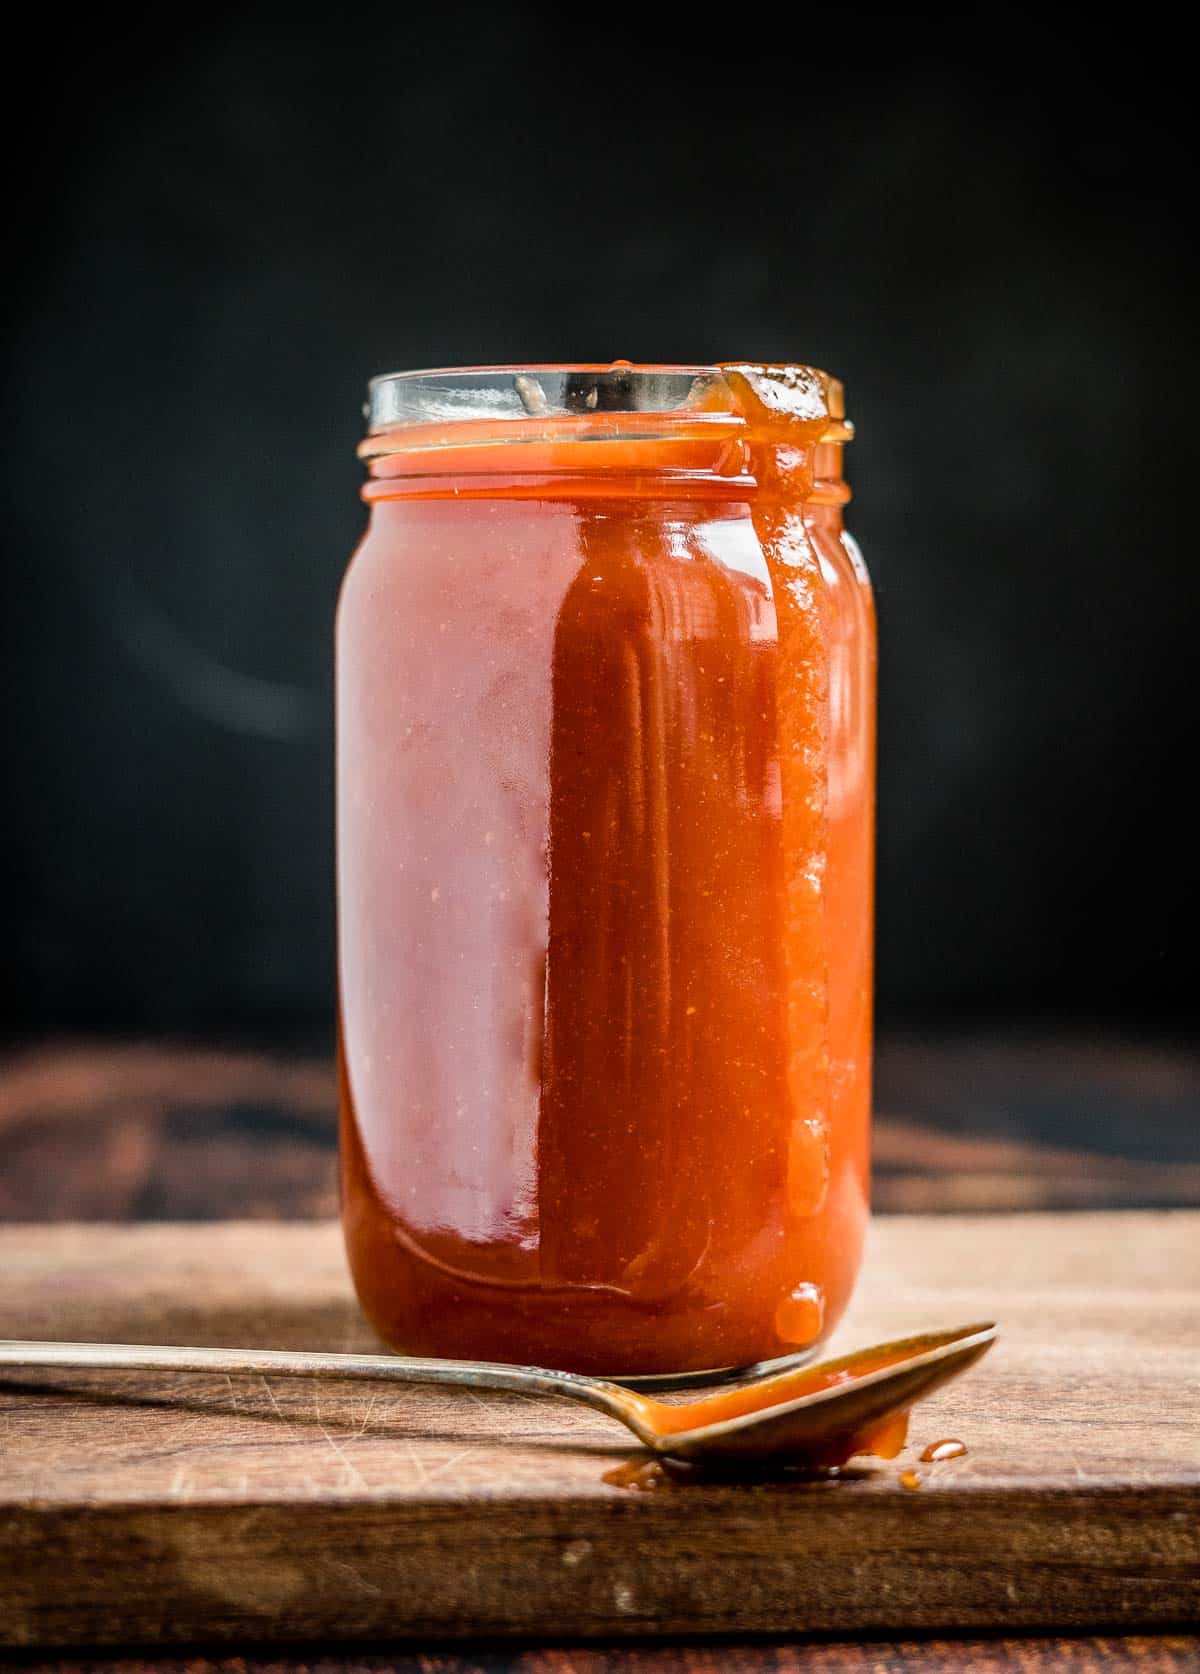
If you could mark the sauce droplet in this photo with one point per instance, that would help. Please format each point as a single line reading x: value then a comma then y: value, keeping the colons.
x: 642, y: 1476
x: 948, y: 1449
x: 801, y: 1314
x: 910, y: 1479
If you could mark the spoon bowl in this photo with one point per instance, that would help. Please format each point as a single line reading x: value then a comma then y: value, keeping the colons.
x: 816, y: 1411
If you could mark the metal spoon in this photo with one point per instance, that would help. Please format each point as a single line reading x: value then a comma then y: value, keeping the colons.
x: 794, y: 1415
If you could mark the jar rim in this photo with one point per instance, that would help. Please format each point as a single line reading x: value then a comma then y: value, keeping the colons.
x: 446, y: 394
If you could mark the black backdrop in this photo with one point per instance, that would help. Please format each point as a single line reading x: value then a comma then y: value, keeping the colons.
x: 222, y: 226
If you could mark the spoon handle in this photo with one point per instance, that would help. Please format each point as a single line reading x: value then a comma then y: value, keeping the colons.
x: 303, y: 1363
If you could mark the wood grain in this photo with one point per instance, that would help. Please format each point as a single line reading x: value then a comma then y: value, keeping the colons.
x: 1093, y: 1654
x: 136, y: 1510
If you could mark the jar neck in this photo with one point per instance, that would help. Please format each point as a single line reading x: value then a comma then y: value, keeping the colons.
x: 718, y: 458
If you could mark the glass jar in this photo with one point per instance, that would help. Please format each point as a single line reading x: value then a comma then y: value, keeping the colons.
x: 605, y: 686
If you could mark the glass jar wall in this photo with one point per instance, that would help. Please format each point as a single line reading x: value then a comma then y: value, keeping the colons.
x: 605, y: 811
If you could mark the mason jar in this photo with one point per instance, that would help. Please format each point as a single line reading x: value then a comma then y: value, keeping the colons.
x: 605, y: 787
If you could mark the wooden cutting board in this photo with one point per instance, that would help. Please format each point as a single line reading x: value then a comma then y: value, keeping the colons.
x: 138, y: 1509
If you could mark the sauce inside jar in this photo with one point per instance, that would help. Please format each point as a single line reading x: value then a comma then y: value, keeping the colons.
x: 605, y: 763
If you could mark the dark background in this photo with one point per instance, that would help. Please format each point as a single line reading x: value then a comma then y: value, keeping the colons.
x: 221, y: 229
